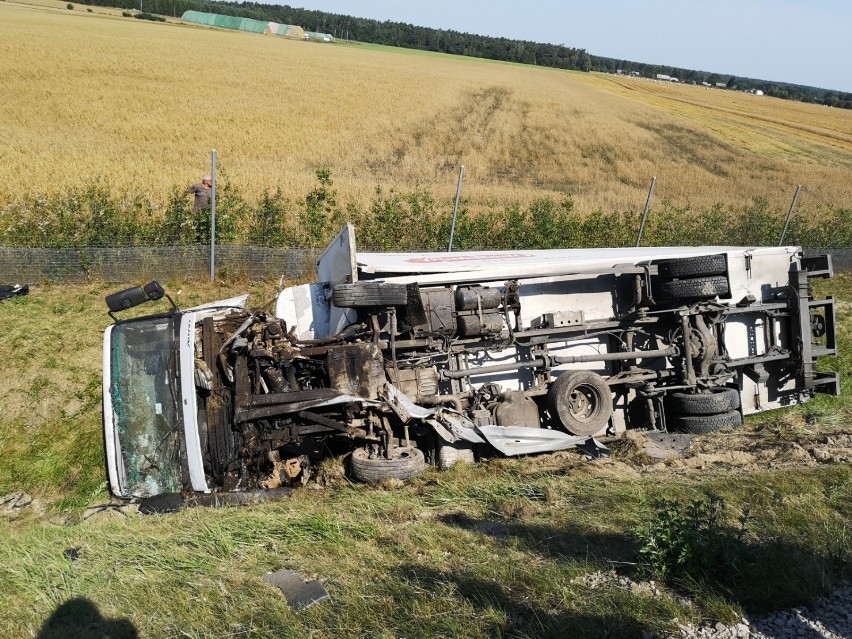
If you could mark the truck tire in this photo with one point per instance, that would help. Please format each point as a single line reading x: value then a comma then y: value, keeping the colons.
x: 719, y: 400
x: 581, y: 402
x: 405, y: 462
x: 366, y: 294
x: 702, y: 424
x: 695, y: 288
x: 699, y: 266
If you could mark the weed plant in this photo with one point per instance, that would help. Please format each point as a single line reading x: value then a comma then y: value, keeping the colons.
x: 691, y: 546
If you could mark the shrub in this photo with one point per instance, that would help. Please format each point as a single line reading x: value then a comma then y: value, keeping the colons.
x: 397, y: 222
x: 321, y: 216
x: 149, y: 16
x: 269, y: 225
x: 96, y: 215
x: 69, y: 6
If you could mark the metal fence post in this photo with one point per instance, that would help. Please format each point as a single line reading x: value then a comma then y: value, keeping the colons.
x: 213, y: 216
x: 789, y: 215
x: 456, y: 209
x: 645, y: 212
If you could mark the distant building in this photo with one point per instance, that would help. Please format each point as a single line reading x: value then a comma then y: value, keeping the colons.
x: 318, y: 37
x: 721, y: 85
x: 254, y: 26
x: 663, y: 76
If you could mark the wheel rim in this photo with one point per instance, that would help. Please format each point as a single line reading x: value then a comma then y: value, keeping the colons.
x: 584, y: 404
x: 580, y: 402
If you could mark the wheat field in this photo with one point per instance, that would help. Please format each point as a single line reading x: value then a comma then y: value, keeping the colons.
x: 94, y: 97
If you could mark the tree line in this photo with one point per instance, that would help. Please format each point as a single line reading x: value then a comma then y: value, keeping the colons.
x: 399, y: 34
x: 784, y: 90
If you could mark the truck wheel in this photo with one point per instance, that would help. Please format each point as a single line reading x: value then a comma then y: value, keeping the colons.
x: 701, y: 424
x: 718, y: 400
x: 581, y: 402
x: 699, y: 266
x: 405, y: 462
x: 365, y: 294
x: 695, y: 288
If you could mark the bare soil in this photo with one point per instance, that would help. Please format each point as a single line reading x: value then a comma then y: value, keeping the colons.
x: 746, y: 450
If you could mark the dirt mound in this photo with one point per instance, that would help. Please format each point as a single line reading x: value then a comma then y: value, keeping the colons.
x: 744, y: 451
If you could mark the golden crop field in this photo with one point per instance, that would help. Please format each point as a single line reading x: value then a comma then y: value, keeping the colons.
x: 91, y: 96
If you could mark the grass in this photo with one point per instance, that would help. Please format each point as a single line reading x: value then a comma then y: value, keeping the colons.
x: 412, y: 562
x: 137, y: 107
x: 501, y: 549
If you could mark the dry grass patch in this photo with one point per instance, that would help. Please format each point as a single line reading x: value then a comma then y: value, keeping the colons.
x: 139, y: 105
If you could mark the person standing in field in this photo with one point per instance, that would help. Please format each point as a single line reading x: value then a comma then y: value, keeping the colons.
x: 201, y: 191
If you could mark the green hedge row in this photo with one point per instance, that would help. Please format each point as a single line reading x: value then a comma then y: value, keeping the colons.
x: 95, y: 216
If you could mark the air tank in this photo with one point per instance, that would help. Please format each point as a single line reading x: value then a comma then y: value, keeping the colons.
x: 471, y: 298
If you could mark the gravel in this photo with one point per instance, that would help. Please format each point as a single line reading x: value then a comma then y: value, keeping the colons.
x: 830, y: 618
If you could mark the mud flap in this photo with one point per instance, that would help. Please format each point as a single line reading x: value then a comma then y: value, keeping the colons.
x: 337, y: 265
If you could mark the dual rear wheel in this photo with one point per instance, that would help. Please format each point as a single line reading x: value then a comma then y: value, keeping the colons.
x: 691, y: 279
x: 704, y: 412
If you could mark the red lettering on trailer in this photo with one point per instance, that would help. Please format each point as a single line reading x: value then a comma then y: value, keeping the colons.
x: 466, y: 258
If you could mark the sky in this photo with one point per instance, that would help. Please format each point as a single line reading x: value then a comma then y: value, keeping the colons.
x: 799, y: 41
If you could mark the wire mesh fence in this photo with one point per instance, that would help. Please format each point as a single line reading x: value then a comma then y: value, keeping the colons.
x: 132, y: 264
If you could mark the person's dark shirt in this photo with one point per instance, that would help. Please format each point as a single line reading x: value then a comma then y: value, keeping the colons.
x: 202, y: 196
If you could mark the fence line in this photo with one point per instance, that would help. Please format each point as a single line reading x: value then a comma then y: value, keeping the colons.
x: 133, y: 264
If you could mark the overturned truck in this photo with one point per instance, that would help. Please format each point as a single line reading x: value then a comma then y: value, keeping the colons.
x: 402, y: 360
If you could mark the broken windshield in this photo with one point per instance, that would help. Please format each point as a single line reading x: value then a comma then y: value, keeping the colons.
x: 144, y: 393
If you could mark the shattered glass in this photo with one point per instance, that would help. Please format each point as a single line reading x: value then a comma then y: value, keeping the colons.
x: 145, y: 404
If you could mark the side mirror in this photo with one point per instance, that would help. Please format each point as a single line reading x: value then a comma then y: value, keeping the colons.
x: 130, y: 297
x: 154, y: 290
